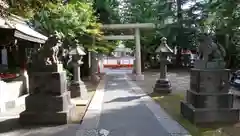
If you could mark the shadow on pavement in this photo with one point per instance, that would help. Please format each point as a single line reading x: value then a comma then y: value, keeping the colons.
x: 12, y: 127
x: 125, y: 99
x: 9, y: 125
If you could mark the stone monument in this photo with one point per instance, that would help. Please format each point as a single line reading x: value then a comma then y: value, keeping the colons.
x: 163, y: 85
x: 209, y: 99
x: 78, y: 88
x: 48, y: 101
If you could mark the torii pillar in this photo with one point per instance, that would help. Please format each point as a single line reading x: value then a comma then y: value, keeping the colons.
x: 138, y: 67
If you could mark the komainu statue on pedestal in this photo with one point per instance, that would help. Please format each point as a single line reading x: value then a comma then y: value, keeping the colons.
x: 209, y: 50
x: 48, y: 53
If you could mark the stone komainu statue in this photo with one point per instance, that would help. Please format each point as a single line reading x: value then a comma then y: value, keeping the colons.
x: 48, y: 53
x: 209, y: 50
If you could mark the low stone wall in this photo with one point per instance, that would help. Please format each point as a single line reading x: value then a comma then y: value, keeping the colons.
x: 12, y: 94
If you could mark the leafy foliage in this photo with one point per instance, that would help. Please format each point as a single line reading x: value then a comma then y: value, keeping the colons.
x: 107, y: 12
x: 74, y: 23
x: 27, y: 8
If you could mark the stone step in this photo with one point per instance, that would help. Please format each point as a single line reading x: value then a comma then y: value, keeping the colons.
x: 208, y: 115
x: 208, y: 100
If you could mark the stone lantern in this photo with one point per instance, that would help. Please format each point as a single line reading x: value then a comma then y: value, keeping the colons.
x: 163, y: 85
x: 78, y: 88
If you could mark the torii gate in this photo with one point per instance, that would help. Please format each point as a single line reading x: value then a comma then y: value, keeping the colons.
x: 136, y: 36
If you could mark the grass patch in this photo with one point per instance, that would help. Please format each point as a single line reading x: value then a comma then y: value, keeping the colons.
x: 171, y: 104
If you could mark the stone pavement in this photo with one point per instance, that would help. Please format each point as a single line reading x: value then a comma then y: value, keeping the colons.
x: 120, y: 109
x: 126, y: 110
x: 123, y: 112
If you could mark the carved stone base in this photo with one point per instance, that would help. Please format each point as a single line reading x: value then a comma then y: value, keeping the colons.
x: 78, y: 90
x: 54, y: 83
x: 46, y: 68
x: 202, y: 64
x: 207, y: 115
x: 49, y: 101
x: 162, y: 86
x: 42, y: 102
x: 46, y: 117
x: 209, y: 100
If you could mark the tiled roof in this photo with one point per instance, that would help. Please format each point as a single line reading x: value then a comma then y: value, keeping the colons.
x: 23, y: 30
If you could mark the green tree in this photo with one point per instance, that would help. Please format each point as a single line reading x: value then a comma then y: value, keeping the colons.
x: 224, y: 23
x: 73, y: 22
x: 107, y: 12
x: 27, y: 8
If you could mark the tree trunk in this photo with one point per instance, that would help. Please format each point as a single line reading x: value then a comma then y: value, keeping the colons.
x: 179, y: 12
x: 179, y: 57
x: 85, y: 69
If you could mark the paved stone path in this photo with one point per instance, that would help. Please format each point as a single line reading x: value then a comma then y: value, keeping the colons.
x: 124, y: 114
x: 120, y: 109
x: 126, y: 110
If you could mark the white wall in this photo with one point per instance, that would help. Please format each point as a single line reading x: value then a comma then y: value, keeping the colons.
x: 9, y: 92
x: 123, y: 60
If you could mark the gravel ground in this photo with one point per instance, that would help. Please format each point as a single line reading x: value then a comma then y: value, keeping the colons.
x: 179, y: 80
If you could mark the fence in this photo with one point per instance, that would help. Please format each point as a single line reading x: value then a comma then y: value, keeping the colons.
x: 118, y: 62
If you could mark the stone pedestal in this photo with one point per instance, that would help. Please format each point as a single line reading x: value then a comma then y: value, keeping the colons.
x: 162, y: 86
x: 78, y: 88
x: 209, y: 100
x: 48, y: 101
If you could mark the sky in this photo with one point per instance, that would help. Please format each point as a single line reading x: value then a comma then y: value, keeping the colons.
x: 188, y: 5
x: 185, y: 6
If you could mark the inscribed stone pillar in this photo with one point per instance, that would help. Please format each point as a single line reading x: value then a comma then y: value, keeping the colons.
x: 138, y: 75
x: 163, y: 85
